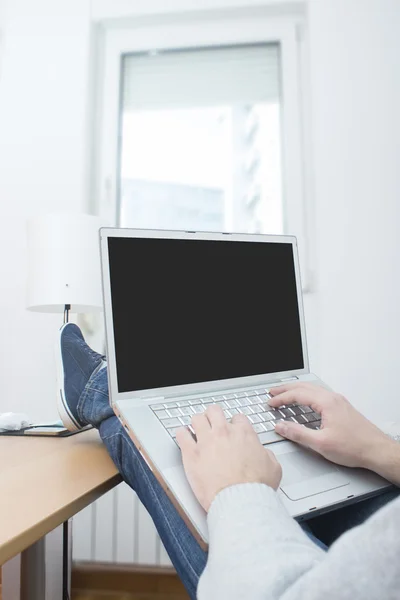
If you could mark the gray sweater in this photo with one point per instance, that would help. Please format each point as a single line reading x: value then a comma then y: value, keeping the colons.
x: 258, y: 552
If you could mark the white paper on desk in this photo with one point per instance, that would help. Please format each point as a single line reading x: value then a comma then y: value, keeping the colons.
x: 58, y: 424
x: 14, y: 421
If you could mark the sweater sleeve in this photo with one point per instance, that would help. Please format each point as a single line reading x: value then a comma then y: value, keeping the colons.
x: 258, y: 552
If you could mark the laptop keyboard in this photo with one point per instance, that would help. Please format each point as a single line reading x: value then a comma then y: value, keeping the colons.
x: 252, y: 403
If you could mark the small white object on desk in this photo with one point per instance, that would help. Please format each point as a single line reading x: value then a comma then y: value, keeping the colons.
x: 10, y: 421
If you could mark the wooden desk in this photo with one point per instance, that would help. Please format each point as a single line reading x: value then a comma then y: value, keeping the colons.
x: 44, y: 482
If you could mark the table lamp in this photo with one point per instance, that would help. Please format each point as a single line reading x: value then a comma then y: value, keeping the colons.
x: 64, y: 264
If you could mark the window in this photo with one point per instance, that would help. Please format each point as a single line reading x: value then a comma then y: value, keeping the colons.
x: 200, y: 127
x: 200, y: 140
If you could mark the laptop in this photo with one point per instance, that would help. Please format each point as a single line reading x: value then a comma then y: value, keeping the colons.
x: 197, y: 318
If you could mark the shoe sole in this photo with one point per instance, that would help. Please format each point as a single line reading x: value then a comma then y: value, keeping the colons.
x: 62, y: 405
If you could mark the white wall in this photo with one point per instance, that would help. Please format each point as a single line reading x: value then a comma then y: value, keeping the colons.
x: 43, y: 168
x: 355, y: 73
x: 116, y: 9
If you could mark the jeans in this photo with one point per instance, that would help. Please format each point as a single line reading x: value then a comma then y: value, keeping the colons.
x: 185, y: 553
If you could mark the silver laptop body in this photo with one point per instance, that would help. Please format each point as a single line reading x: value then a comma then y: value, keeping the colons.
x: 194, y: 318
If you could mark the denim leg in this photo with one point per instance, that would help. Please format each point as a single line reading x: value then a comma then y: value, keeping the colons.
x: 94, y: 405
x: 331, y: 526
x: 186, y: 555
x: 308, y: 531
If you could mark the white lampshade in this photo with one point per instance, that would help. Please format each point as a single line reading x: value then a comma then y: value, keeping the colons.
x: 64, y: 263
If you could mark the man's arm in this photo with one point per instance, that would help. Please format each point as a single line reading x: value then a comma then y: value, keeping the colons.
x: 258, y: 552
x: 386, y: 462
x: 346, y: 436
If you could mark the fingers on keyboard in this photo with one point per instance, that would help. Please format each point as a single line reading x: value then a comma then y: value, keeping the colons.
x: 252, y: 403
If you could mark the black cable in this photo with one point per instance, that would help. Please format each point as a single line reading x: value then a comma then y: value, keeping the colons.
x: 67, y: 308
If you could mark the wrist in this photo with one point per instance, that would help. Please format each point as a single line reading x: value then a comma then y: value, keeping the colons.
x: 383, y: 458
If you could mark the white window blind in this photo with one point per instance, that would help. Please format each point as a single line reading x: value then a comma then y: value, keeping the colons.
x: 201, y: 77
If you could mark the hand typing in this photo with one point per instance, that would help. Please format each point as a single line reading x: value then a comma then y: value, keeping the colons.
x: 224, y: 454
x: 346, y: 437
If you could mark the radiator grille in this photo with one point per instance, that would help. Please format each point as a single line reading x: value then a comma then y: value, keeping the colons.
x: 118, y: 529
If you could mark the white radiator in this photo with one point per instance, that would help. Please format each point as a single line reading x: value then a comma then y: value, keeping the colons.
x: 117, y: 529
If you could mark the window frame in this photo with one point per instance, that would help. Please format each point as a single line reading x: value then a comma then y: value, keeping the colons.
x: 193, y: 31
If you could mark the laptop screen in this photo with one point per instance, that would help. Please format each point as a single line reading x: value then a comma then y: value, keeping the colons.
x: 190, y: 311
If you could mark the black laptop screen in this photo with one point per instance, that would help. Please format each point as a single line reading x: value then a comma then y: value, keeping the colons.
x: 189, y: 311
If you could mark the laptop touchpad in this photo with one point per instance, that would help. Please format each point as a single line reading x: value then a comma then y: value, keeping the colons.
x: 306, y: 474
